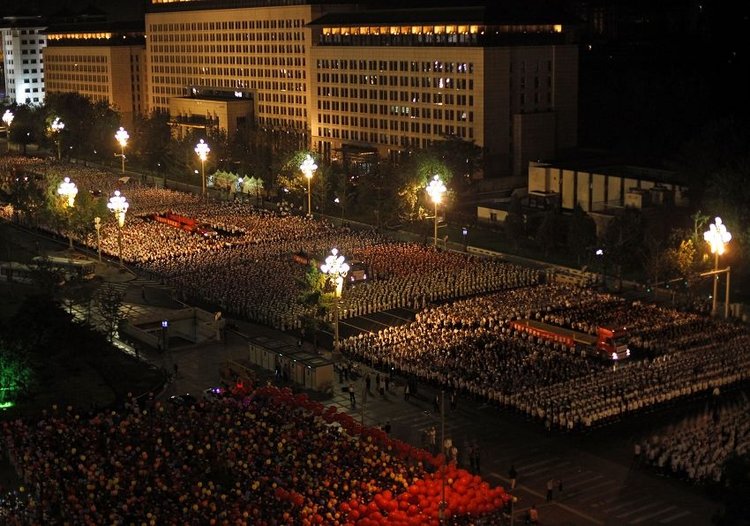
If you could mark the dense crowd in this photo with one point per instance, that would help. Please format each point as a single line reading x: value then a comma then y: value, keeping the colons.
x: 697, y: 447
x: 271, y: 458
x: 255, y: 246
x: 470, y: 345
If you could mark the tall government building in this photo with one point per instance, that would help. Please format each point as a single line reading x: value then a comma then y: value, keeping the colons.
x: 352, y: 83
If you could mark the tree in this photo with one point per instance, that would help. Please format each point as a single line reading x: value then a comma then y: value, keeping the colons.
x: 152, y: 139
x: 581, y: 235
x: 515, y: 224
x: 551, y: 230
x: 623, y: 239
x: 109, y: 307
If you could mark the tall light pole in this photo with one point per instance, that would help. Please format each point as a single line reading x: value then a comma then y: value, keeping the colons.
x: 8, y: 120
x: 443, y: 444
x: 336, y: 268
x: 69, y: 191
x: 57, y: 126
x: 119, y: 206
x: 202, y: 150
x: 122, y: 137
x: 308, y: 168
x: 98, y: 226
x: 436, y: 189
x: 717, y: 236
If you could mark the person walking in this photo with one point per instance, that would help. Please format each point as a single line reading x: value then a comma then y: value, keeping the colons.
x: 368, y: 381
x: 550, y: 489
x: 436, y: 403
x: 454, y: 401
x: 512, y: 475
x: 352, y: 396
x: 407, y: 392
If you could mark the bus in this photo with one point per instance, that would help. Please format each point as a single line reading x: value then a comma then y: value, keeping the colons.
x: 71, y: 267
x: 12, y: 271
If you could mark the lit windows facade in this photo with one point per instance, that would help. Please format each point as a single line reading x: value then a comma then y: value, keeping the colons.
x: 23, y: 41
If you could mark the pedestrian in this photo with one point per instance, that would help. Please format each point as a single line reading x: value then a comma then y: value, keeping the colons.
x: 432, y: 436
x: 453, y: 400
x: 436, y: 403
x: 406, y: 392
x: 550, y: 488
x: 387, y: 383
x: 454, y: 455
x: 382, y: 386
x: 367, y: 382
x: 512, y: 475
x: 387, y: 427
x: 533, y: 515
x: 636, y: 454
x: 352, y: 397
x: 176, y: 369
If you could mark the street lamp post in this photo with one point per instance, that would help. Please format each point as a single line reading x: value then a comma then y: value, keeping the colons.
x: 308, y: 168
x: 122, y: 137
x: 8, y: 120
x: 717, y: 236
x: 119, y: 206
x: 442, y: 506
x: 98, y: 226
x: 57, y: 126
x: 336, y: 268
x: 202, y: 150
x: 436, y: 189
x: 68, y: 190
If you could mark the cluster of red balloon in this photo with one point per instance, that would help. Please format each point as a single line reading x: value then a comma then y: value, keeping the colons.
x: 465, y: 494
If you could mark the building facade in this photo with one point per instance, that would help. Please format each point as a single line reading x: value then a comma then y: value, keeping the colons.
x: 23, y: 42
x: 102, y: 64
x: 351, y: 81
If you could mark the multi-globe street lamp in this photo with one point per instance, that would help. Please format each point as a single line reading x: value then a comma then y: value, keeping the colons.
x: 69, y: 191
x: 122, y: 137
x: 202, y: 150
x: 119, y: 206
x: 436, y: 189
x: 308, y: 168
x: 8, y: 120
x: 336, y: 268
x: 717, y: 236
x: 56, y: 127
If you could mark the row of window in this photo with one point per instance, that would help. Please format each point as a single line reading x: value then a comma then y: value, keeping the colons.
x: 411, y: 124
x: 392, y: 80
x: 243, y: 51
x: 59, y: 85
x: 374, y: 137
x: 228, y: 25
x: 288, y: 36
x: 280, y: 61
x: 413, y: 66
x: 237, y: 73
x: 75, y: 77
x: 438, y: 99
x: 64, y: 65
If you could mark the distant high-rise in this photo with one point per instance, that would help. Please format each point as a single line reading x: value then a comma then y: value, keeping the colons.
x: 23, y: 40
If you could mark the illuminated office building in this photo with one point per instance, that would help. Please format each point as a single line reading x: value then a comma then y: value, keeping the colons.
x: 102, y: 62
x: 351, y: 82
x: 23, y: 39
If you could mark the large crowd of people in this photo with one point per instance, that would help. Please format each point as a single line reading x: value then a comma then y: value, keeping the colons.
x: 463, y: 338
x: 269, y: 458
x: 471, y: 346
x: 696, y: 447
